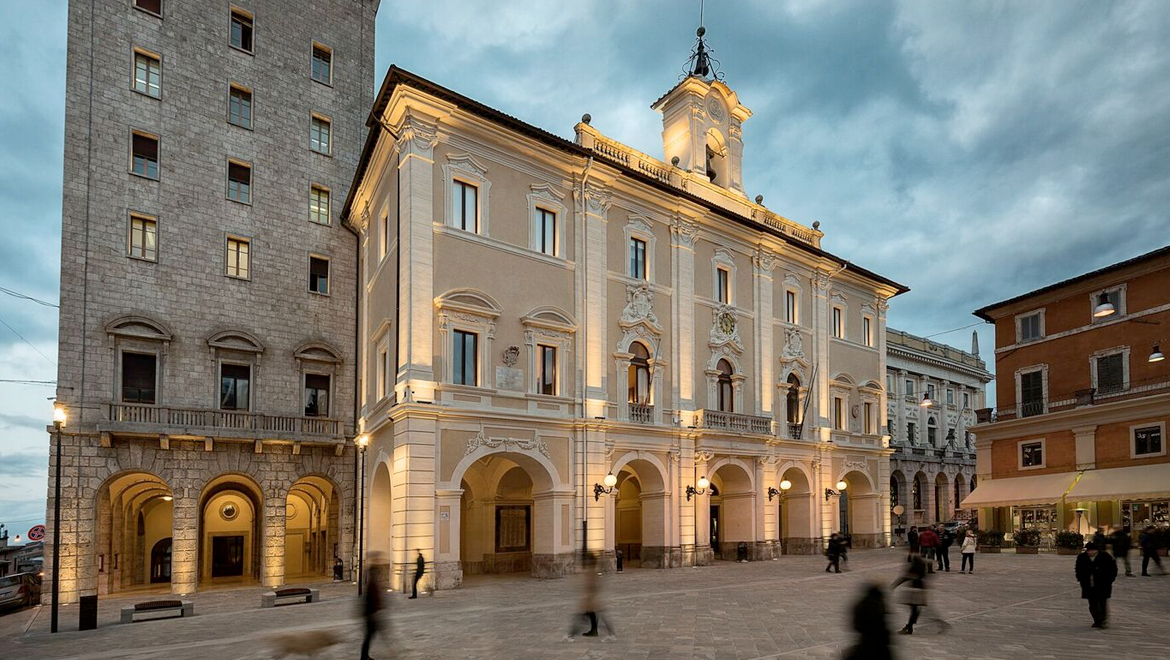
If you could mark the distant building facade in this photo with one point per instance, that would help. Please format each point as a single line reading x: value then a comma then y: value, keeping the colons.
x: 541, y: 319
x: 933, y: 465
x: 1077, y: 439
x: 207, y: 340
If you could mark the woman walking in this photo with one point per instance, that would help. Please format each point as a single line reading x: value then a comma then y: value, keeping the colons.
x: 970, y: 545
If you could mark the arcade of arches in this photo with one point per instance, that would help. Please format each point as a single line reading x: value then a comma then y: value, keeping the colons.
x: 930, y: 496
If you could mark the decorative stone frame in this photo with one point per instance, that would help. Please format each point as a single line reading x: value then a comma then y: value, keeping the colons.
x: 870, y: 394
x: 1043, y: 369
x: 798, y: 368
x: 837, y: 301
x: 465, y: 168
x: 642, y: 228
x: 842, y: 387
x: 868, y: 313
x: 792, y: 285
x: 545, y: 197
x: 1133, y: 439
x: 235, y: 347
x: 319, y: 359
x: 724, y: 260
x: 143, y: 335
x: 1019, y: 333
x: 383, y: 377
x: 548, y: 326
x: 1043, y: 454
x: 1122, y: 290
x: 623, y: 355
x: 1123, y: 351
x: 737, y: 378
x: 470, y: 311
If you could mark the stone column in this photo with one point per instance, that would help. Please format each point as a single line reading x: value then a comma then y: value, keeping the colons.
x: 764, y: 336
x: 819, y: 390
x: 596, y: 467
x: 594, y: 206
x: 272, y: 548
x: 184, y: 538
x: 414, y: 491
x: 704, y: 554
x: 552, y: 534
x: 448, y: 569
x: 682, y: 309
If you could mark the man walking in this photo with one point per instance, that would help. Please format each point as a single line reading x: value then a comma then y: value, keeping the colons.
x: 1096, y: 572
x: 420, y: 566
x: 833, y: 552
x: 944, y: 550
x: 1121, y: 542
x: 1149, y: 544
x: 927, y: 541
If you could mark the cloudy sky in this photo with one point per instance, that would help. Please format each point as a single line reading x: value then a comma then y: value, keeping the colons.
x: 972, y: 151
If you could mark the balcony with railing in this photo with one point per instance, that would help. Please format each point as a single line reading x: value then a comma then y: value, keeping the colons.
x: 641, y: 413
x: 795, y: 431
x: 729, y: 421
x: 1078, y: 399
x: 131, y: 418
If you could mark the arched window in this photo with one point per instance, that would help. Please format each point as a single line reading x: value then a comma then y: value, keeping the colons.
x: 972, y: 484
x: 931, y: 432
x: 726, y: 399
x: 894, y: 495
x: 916, y: 494
x: 958, y: 490
x: 793, y: 399
x: 639, y: 375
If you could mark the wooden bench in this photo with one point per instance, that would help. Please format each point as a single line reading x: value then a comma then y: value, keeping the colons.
x: 289, y: 596
x: 167, y: 608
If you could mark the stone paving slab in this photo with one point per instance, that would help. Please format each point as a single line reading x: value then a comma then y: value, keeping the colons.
x: 1014, y: 606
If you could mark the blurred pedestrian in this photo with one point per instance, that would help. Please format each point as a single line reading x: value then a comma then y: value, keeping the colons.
x: 590, y: 608
x: 970, y: 545
x: 912, y: 541
x: 420, y: 568
x: 913, y: 595
x: 1149, y: 544
x: 946, y: 540
x: 1120, y: 539
x: 1096, y: 571
x: 927, y: 541
x: 869, y: 620
x: 618, y: 555
x: 338, y: 569
x: 372, y: 604
x: 1100, y: 540
x: 833, y: 552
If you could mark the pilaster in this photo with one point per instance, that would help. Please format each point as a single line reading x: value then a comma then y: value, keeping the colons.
x: 763, y: 263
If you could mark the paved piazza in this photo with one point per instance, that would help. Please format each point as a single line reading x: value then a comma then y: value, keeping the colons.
x: 1013, y: 607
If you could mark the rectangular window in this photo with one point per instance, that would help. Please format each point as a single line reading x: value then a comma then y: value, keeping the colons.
x: 930, y: 392
x: 319, y: 135
x: 238, y: 258
x: 950, y: 397
x: 911, y: 432
x: 723, y: 285
x: 241, y: 36
x: 144, y: 155
x: 147, y: 74
x: 239, y: 185
x: 546, y: 367
x: 383, y: 379
x: 1110, y: 374
x: 1031, y: 394
x: 316, y: 395
x: 966, y: 400
x: 838, y: 413
x: 319, y: 205
x: 548, y: 232
x: 637, y: 258
x: 465, y: 357
x: 149, y: 6
x: 384, y: 246
x: 867, y: 331
x: 790, y: 307
x: 909, y: 386
x: 234, y: 381
x: 240, y: 106
x: 1030, y: 327
x: 138, y: 378
x: 931, y: 435
x: 322, y: 64
x: 838, y: 323
x: 870, y: 427
x: 143, y: 237
x: 1031, y: 454
x: 891, y: 383
x: 466, y: 206
x: 1147, y: 440
x: 319, y: 275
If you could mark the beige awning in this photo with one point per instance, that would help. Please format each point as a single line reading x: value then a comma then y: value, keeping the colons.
x: 1139, y: 482
x: 1020, y: 491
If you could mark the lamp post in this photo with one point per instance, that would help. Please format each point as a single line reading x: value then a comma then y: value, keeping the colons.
x: 59, y: 418
x: 361, y: 442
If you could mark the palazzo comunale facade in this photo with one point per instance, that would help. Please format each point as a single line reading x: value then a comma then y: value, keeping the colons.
x: 538, y: 314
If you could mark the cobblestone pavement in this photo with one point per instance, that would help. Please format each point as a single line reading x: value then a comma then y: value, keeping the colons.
x: 1014, y: 606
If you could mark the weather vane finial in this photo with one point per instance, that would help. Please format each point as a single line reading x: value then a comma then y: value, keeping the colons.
x: 701, y: 63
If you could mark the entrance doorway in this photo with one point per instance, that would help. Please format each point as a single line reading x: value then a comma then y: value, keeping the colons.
x: 227, y: 556
x: 135, y: 522
x: 160, y: 561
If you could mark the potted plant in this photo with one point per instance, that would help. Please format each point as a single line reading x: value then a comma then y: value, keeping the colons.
x: 1069, y: 543
x: 1027, y: 541
x: 990, y: 541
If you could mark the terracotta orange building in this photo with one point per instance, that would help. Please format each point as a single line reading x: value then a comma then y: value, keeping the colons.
x: 1078, y: 436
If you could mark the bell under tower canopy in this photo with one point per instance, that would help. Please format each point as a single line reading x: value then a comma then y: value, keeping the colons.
x: 702, y: 126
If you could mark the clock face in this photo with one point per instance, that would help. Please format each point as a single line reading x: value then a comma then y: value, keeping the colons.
x: 715, y: 109
x: 727, y: 322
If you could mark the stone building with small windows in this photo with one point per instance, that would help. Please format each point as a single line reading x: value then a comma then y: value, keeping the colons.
x: 571, y: 344
x: 207, y: 341
x: 934, y: 391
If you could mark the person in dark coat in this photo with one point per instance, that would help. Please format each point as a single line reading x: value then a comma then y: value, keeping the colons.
x: 912, y: 540
x: 1149, y: 544
x: 1121, y: 541
x: 1100, y: 540
x: 915, y: 594
x: 420, y: 567
x: 372, y: 607
x: 338, y: 569
x: 1096, y: 571
x: 946, y: 540
x: 869, y: 620
x: 833, y: 552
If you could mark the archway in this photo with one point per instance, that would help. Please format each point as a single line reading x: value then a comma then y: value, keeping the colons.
x: 641, y: 516
x: 958, y: 495
x: 230, y: 535
x: 310, y: 528
x: 918, y: 498
x: 792, y: 400
x: 135, y: 522
x: 858, y: 516
x: 942, y: 498
x: 898, y: 498
x: 796, y: 514
x: 732, y: 510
